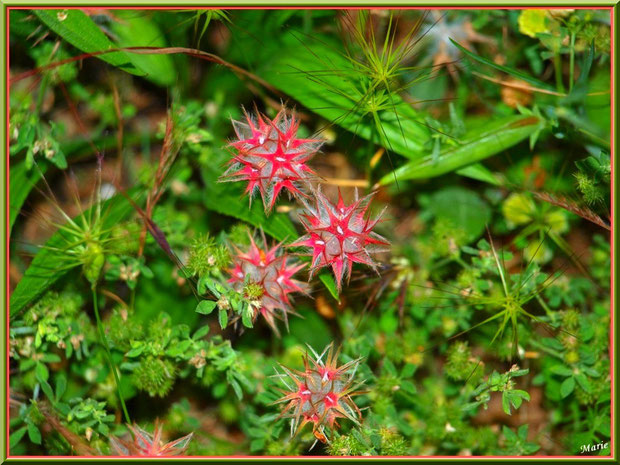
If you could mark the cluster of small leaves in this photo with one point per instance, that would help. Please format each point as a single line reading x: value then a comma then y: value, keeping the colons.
x: 51, y: 327
x: 166, y: 352
x: 83, y: 418
x: 232, y: 305
x: 503, y: 383
x: 208, y: 260
x: 369, y: 442
x: 40, y: 140
x: 575, y: 364
x: 517, y: 443
x: 28, y: 421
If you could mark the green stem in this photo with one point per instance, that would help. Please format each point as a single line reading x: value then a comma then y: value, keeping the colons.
x: 557, y: 61
x: 41, y: 94
x: 43, y: 87
x: 132, y: 298
x: 461, y: 262
x: 547, y: 350
x: 104, y: 342
x: 572, y: 62
x: 542, y: 303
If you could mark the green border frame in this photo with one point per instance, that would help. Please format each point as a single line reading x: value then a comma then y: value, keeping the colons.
x: 5, y: 4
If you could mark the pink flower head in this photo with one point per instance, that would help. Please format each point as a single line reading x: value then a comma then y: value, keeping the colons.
x: 339, y: 235
x: 149, y: 445
x: 321, y: 394
x: 273, y: 271
x: 270, y: 157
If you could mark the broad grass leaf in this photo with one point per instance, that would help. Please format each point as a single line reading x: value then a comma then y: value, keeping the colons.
x: 490, y: 139
x: 79, y: 30
x: 21, y: 182
x: 139, y: 30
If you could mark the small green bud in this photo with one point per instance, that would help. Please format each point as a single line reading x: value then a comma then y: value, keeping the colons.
x: 591, y: 192
x: 571, y: 357
x: 93, y: 260
x: 518, y: 209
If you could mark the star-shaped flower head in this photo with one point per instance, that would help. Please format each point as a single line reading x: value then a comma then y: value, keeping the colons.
x: 145, y: 444
x: 270, y: 157
x: 270, y: 271
x: 339, y: 235
x: 321, y: 394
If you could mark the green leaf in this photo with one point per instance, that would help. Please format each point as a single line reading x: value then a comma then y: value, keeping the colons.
x: 47, y: 389
x: 44, y: 269
x: 582, y: 380
x: 512, y: 72
x: 246, y: 317
x: 591, y: 372
x: 506, y: 402
x: 494, y: 137
x: 509, y: 434
x: 330, y: 285
x: 201, y: 332
x: 561, y: 370
x: 408, y: 370
x: 205, y: 307
x: 408, y: 386
x: 79, y: 30
x: 522, y: 372
x: 567, y: 386
x: 61, y: 386
x: 222, y: 317
x: 34, y: 434
x: 138, y: 30
x: 41, y: 372
x: 471, y: 406
x: 479, y: 172
x: 51, y: 358
x: 22, y: 182
x: 17, y: 436
x: 463, y: 208
x: 135, y: 351
x: 517, y: 397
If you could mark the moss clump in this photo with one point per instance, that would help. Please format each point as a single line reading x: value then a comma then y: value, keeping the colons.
x: 205, y: 256
x: 460, y: 363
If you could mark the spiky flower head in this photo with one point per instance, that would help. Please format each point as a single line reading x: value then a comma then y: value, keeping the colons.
x: 270, y: 157
x: 339, y: 235
x: 265, y: 277
x: 321, y: 394
x: 145, y: 444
